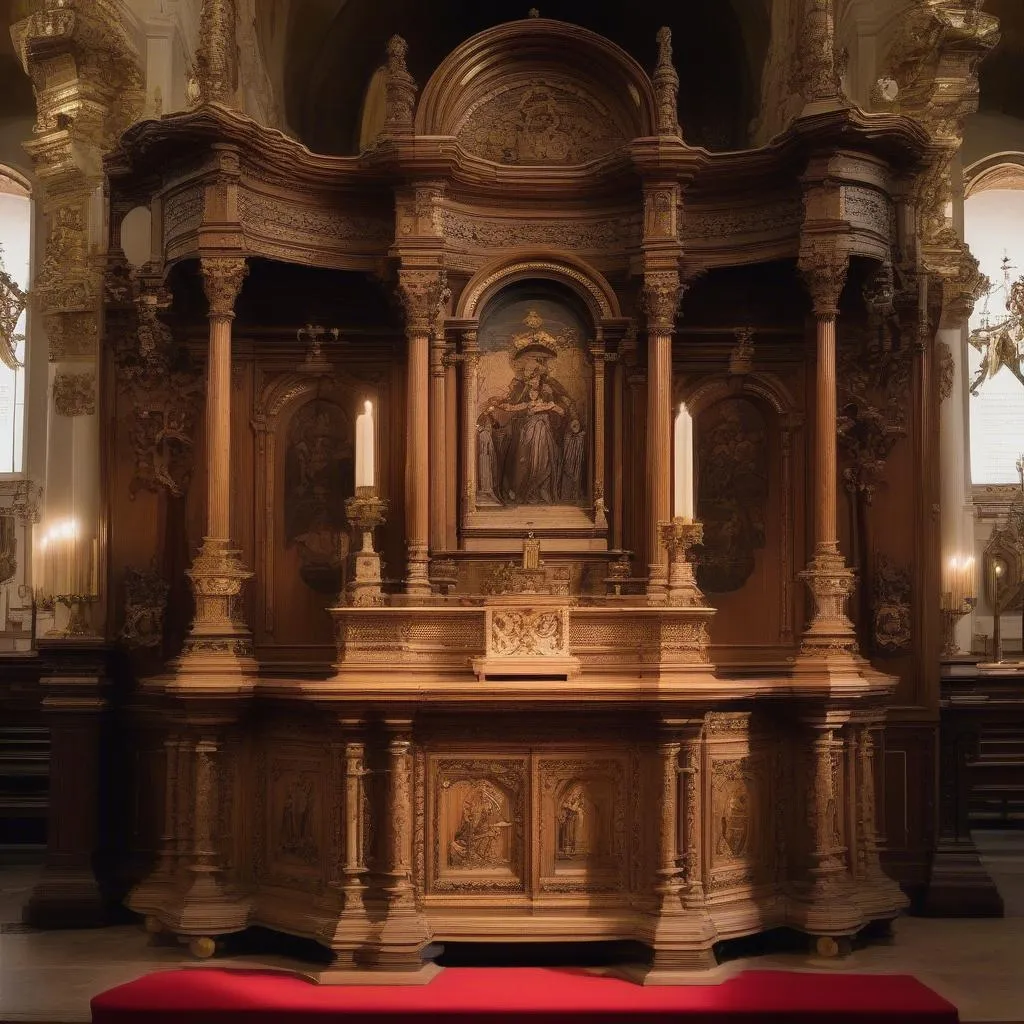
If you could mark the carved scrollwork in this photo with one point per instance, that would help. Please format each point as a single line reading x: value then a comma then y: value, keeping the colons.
x: 74, y: 394
x: 891, y: 612
x: 534, y: 634
x: 145, y: 601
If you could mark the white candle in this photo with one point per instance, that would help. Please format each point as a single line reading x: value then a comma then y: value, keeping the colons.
x: 364, y: 447
x: 682, y: 505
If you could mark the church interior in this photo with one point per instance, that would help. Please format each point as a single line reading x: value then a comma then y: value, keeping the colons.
x: 487, y: 484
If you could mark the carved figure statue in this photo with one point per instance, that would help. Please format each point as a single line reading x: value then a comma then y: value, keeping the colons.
x: 297, y: 837
x: 573, y: 827
x: 487, y: 458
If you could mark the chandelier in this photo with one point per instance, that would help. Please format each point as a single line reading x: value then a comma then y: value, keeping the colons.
x: 1000, y: 338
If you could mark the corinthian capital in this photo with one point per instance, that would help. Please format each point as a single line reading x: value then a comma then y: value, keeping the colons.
x: 222, y: 281
x: 422, y: 293
x: 663, y: 291
x: 824, y: 273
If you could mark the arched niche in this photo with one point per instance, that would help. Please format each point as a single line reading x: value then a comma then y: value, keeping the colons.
x: 745, y: 462
x: 305, y: 450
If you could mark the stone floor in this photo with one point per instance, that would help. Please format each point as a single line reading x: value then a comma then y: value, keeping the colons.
x: 977, y: 965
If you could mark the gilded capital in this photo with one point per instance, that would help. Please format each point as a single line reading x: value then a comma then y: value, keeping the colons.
x: 422, y: 293
x: 222, y: 281
x: 824, y: 274
x: 663, y: 291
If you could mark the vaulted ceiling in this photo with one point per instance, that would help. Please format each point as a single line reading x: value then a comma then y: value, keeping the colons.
x: 333, y: 47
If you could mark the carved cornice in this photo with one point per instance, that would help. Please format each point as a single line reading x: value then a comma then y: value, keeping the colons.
x: 222, y: 281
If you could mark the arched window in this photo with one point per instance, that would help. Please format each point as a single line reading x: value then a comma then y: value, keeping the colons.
x: 994, y: 230
x: 15, y: 252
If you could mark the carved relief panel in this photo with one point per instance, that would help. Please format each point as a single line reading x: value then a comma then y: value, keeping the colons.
x: 582, y: 823
x: 478, y: 824
x: 295, y: 842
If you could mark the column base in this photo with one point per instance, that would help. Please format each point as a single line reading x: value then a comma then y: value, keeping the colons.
x: 66, y: 898
x: 830, y: 631
x: 826, y: 907
x: 960, y: 886
x: 417, y: 583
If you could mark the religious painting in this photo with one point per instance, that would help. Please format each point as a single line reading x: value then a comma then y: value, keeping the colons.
x: 732, y: 492
x: 319, y: 476
x: 533, y: 427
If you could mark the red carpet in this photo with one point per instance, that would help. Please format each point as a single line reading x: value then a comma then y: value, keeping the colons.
x: 538, y: 995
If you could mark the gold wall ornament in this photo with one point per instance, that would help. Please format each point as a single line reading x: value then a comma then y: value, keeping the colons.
x: 74, y: 394
x: 399, y: 89
x: 8, y: 551
x: 216, y: 61
x: 12, y: 304
x: 945, y: 370
x: 145, y: 602
x: 817, y: 72
x: 666, y: 86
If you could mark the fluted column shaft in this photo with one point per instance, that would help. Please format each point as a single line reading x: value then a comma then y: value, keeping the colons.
x: 826, y: 538
x: 399, y: 817
x: 438, y: 446
x: 470, y: 387
x: 668, y: 884
x: 218, y: 428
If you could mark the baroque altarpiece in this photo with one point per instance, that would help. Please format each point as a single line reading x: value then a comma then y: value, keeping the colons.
x: 508, y: 690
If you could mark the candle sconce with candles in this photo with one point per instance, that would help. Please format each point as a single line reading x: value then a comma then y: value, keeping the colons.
x: 365, y: 511
x: 959, y: 597
x: 69, y: 569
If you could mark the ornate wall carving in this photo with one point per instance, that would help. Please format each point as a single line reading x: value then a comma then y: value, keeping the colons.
x: 892, y: 630
x: 74, y: 394
x: 732, y: 492
x: 145, y: 601
x: 540, y: 122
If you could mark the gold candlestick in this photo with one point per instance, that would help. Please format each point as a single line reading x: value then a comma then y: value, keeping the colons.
x: 679, y: 536
x: 366, y: 512
x: 951, y: 615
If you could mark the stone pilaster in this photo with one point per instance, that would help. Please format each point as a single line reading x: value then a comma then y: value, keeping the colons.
x: 219, y: 641
x: 421, y: 292
x: 828, y: 578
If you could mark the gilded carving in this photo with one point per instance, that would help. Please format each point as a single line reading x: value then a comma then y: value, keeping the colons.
x: 145, y: 602
x: 8, y: 551
x: 945, y: 368
x: 525, y: 633
x: 891, y: 607
x: 732, y: 493
x: 399, y: 88
x: 666, y: 86
x: 74, y: 394
x: 13, y: 300
x: 223, y: 277
x: 540, y: 122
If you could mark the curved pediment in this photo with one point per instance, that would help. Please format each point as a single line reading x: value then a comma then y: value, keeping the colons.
x: 538, y: 92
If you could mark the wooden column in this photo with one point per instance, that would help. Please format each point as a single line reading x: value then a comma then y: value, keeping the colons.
x: 168, y: 849
x: 828, y: 578
x: 662, y: 293
x: 618, y: 425
x: 597, y: 354
x: 668, y: 884
x: 438, y: 444
x: 398, y: 821
x: 470, y: 387
x: 451, y: 407
x: 421, y: 292
x: 217, y: 573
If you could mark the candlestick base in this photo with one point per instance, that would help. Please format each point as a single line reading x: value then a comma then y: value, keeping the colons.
x: 78, y: 624
x: 950, y: 618
x: 365, y: 512
x: 679, y: 536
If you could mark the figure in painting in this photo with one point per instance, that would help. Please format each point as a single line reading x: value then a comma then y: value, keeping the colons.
x: 532, y: 444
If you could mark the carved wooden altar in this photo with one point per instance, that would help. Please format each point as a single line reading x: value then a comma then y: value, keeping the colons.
x: 537, y: 727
